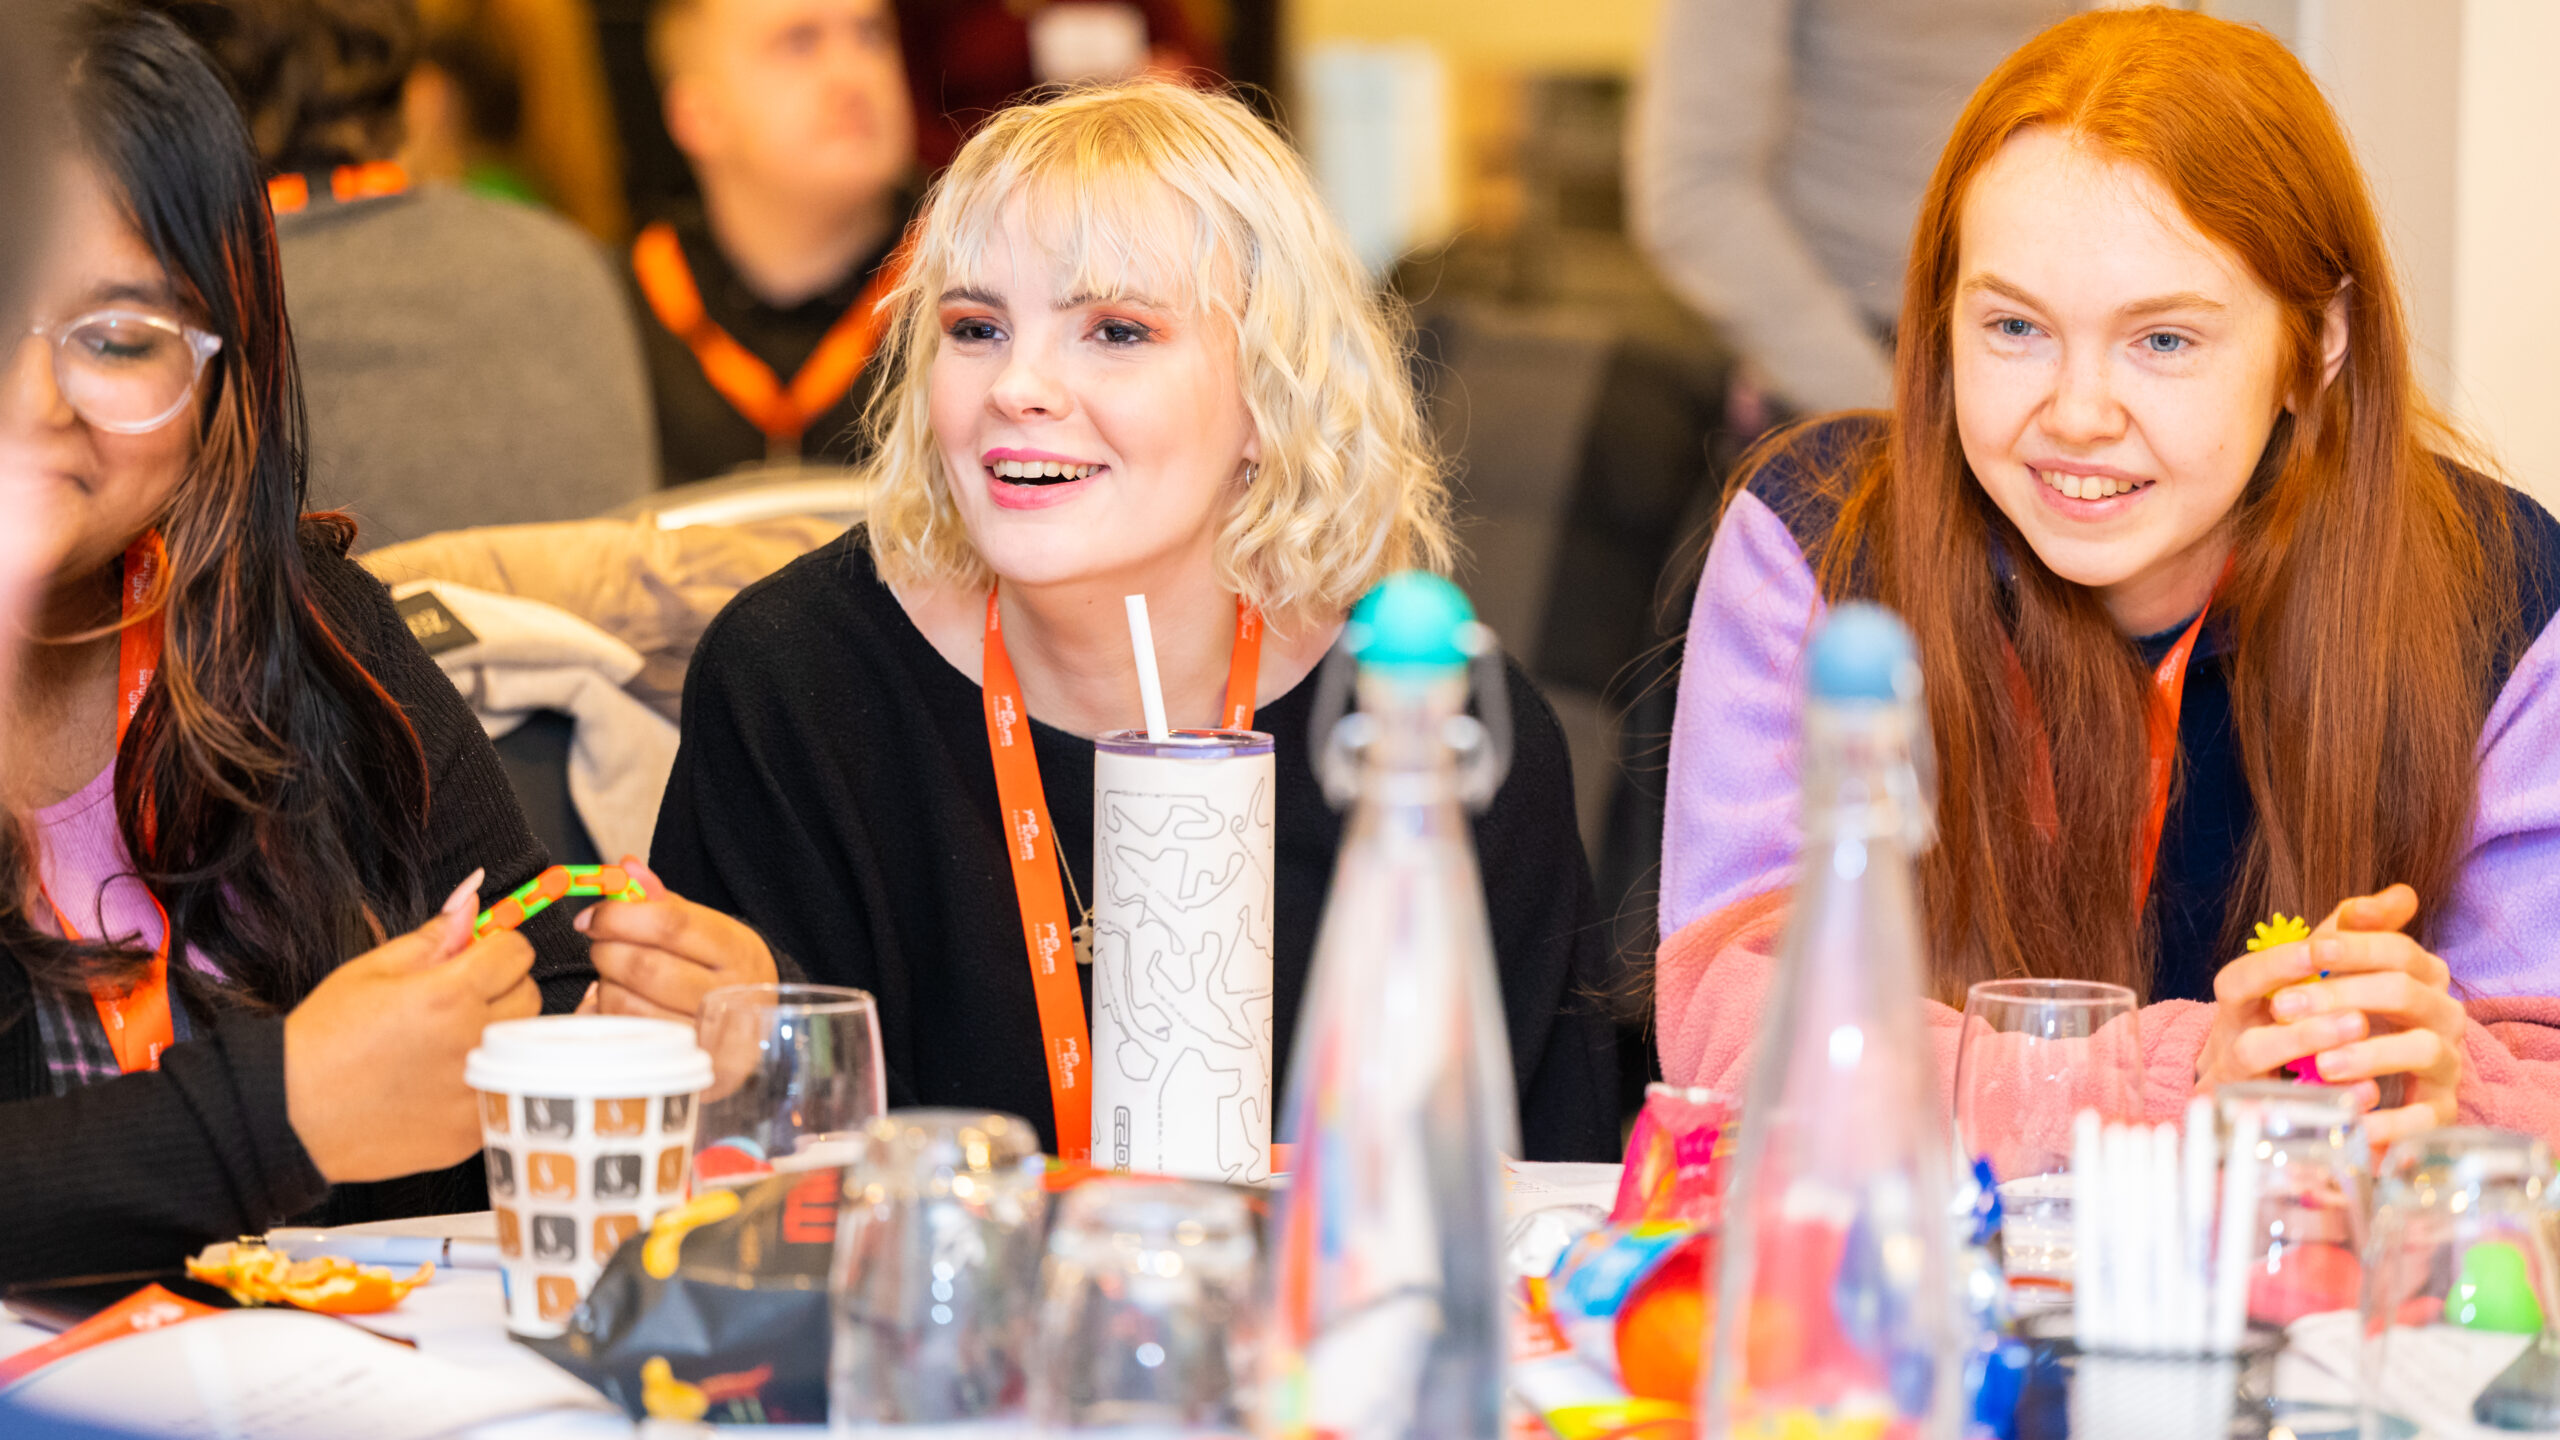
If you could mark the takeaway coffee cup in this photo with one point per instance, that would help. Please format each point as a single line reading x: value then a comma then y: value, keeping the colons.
x: 588, y: 1123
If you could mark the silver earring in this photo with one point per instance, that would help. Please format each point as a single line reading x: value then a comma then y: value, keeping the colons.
x: 1252, y: 472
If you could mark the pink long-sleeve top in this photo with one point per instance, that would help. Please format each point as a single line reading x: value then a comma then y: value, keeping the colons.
x: 1730, y: 836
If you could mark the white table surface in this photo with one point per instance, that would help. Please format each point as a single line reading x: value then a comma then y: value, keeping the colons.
x: 460, y: 1316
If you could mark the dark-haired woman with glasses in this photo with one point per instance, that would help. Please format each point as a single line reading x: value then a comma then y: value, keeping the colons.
x: 226, y: 765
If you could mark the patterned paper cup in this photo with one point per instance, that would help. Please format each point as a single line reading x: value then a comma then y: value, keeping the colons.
x: 587, y: 1121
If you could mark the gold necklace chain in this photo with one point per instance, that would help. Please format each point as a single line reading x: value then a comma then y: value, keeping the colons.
x: 1081, y: 932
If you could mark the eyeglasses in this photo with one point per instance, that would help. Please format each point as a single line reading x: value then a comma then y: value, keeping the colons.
x: 127, y: 371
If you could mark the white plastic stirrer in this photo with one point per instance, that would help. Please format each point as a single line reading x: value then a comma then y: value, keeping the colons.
x: 2159, y: 1268
x: 1142, y: 638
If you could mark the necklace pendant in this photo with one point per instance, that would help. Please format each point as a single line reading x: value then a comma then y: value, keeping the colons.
x: 1082, y: 935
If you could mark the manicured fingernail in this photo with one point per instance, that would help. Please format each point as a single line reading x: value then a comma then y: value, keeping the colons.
x: 466, y: 896
x: 584, y: 917
x: 2290, y: 1004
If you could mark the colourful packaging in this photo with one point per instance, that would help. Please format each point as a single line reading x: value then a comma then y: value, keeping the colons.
x: 1676, y: 1156
x: 1667, y: 1202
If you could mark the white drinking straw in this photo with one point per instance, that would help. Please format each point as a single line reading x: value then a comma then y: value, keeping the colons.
x: 2131, y: 1147
x: 2168, y: 1254
x: 1142, y: 638
x: 2092, y: 1299
x: 2197, y: 1212
x: 2232, y: 1259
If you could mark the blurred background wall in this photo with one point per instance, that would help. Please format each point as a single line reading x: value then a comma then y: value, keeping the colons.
x: 1459, y: 120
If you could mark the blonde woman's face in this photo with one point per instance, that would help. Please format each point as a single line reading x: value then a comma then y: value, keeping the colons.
x: 1085, y: 436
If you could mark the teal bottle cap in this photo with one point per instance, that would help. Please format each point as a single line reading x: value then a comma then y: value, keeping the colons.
x: 1862, y: 652
x: 1412, y: 619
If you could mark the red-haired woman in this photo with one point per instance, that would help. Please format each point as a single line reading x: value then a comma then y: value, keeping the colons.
x: 2157, y: 449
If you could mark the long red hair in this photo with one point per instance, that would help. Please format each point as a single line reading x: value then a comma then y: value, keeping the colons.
x: 2366, y: 599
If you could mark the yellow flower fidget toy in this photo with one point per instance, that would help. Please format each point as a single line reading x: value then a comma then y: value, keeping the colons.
x: 2282, y: 930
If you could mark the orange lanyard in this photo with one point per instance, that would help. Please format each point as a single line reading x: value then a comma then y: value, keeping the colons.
x: 138, y: 1023
x: 783, y: 413
x: 2160, y: 732
x: 2169, y: 690
x: 291, y: 192
x: 1033, y: 851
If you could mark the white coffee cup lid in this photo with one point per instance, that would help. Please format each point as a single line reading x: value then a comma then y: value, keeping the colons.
x: 600, y: 1055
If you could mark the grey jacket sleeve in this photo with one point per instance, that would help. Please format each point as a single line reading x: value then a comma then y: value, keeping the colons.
x: 1711, y: 117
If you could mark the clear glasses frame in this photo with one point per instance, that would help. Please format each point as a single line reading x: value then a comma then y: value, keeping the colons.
x: 77, y: 383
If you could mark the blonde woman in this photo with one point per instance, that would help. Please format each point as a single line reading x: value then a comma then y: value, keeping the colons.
x: 1131, y: 354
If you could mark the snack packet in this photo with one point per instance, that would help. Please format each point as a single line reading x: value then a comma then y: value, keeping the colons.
x: 1569, y: 1398
x: 1604, y: 1294
x: 1677, y: 1155
x: 719, y: 1312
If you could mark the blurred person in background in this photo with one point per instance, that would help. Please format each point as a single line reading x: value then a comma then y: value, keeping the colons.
x: 1134, y: 355
x: 761, y: 307
x: 220, y: 751
x: 470, y: 360
x: 508, y: 97
x: 1779, y: 153
x: 968, y: 59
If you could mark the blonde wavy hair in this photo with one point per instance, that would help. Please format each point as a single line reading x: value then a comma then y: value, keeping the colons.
x: 1350, y: 486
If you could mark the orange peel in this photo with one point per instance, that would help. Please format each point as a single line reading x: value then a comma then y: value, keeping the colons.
x: 328, y: 1284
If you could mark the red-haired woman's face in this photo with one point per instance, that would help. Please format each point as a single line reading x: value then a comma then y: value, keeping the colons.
x: 103, y: 488
x: 2116, y: 374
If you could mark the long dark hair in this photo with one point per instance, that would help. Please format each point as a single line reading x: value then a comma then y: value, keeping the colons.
x: 270, y: 793
x: 2365, y: 600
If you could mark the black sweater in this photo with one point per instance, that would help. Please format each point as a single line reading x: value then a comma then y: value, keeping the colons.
x: 134, y: 1173
x: 834, y: 790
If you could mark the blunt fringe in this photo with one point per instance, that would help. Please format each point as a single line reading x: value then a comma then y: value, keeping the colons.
x: 1155, y: 182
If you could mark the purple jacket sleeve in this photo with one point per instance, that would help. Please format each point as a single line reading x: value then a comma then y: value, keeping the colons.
x: 1729, y: 830
x: 2502, y: 936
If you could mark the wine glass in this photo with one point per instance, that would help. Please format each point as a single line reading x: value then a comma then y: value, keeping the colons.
x: 795, y: 1073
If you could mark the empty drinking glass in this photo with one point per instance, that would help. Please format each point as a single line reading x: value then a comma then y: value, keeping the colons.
x: 2460, y: 1275
x: 795, y: 1072
x: 1148, y: 1320
x: 2310, y: 1185
x: 2033, y: 1055
x: 936, y: 1274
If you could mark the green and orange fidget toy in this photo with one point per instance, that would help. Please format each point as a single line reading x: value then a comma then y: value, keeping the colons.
x: 560, y: 882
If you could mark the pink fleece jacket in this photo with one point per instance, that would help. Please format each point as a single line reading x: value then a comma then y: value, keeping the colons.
x: 1730, y: 842
x: 1713, y: 976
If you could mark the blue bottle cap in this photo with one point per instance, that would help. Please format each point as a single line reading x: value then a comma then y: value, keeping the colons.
x: 1863, y: 652
x: 1412, y: 619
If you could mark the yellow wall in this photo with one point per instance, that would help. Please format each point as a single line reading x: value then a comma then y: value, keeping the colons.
x: 1547, y: 35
